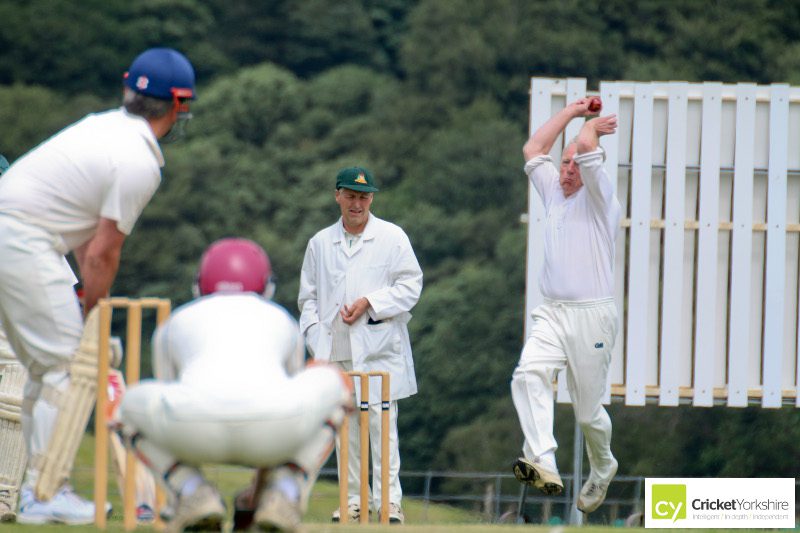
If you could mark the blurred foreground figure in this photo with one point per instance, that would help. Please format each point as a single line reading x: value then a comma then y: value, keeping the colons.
x: 12, y: 444
x: 230, y: 388
x: 80, y: 191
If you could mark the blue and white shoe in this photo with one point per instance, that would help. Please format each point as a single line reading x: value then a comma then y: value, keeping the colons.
x: 65, y: 507
x: 144, y: 514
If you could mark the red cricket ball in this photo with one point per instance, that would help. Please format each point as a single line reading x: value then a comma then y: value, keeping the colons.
x: 595, y: 104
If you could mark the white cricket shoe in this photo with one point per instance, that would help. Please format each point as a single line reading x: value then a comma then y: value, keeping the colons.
x: 65, y: 507
x: 353, y: 513
x: 536, y: 474
x: 396, y: 515
x: 7, y: 512
x: 594, y: 490
x: 202, y: 510
x: 279, y: 505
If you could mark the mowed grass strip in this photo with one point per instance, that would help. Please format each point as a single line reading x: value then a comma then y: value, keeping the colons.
x: 420, y: 517
x: 229, y: 480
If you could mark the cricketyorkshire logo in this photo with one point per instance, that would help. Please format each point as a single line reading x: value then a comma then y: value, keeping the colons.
x: 669, y: 502
x: 361, y: 179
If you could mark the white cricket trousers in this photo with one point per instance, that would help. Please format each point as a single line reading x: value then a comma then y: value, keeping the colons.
x: 290, y: 420
x: 579, y: 337
x: 43, y: 321
x: 354, y: 451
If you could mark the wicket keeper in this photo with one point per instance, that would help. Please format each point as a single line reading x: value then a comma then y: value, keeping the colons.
x: 230, y: 387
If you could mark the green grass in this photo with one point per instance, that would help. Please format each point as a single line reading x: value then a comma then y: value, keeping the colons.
x: 420, y: 518
x: 311, y: 527
x: 324, y: 499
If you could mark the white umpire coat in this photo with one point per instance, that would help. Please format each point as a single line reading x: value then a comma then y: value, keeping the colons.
x: 382, y: 268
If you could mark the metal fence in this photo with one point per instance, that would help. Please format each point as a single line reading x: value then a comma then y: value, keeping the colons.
x: 498, y: 497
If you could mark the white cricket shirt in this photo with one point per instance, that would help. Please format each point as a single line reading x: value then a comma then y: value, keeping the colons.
x: 105, y: 165
x: 228, y: 342
x: 580, y: 231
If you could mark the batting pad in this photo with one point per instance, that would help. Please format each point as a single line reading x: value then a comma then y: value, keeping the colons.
x: 74, y: 408
x: 12, y: 443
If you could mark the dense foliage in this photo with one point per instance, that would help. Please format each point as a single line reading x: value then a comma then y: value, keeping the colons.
x: 432, y: 96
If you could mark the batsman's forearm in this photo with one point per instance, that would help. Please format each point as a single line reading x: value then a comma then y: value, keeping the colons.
x: 98, y: 273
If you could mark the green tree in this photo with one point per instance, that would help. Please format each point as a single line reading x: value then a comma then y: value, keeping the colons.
x: 464, y: 355
x: 31, y: 114
x: 309, y: 37
x: 93, y: 49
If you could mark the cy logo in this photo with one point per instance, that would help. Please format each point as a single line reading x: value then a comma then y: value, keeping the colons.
x: 669, y: 502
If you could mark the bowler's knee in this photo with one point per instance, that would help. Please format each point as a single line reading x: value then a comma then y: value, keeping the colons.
x: 529, y: 374
x: 592, y: 420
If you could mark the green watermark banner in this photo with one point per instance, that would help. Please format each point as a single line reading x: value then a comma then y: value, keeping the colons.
x: 719, y: 503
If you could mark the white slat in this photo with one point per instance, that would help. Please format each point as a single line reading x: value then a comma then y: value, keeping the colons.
x: 610, y: 94
x: 706, y: 318
x: 672, y: 310
x: 774, y: 321
x: 739, y: 331
x: 638, y: 291
x: 541, y: 94
x: 794, y: 129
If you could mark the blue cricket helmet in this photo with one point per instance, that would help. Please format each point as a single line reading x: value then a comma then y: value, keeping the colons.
x: 161, y: 73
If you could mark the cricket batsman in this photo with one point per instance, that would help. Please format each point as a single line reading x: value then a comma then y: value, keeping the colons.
x: 12, y: 462
x: 81, y: 191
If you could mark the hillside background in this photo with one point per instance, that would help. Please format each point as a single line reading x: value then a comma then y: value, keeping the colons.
x: 432, y: 95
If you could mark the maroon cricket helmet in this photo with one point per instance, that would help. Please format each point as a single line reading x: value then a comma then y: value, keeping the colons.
x: 234, y: 265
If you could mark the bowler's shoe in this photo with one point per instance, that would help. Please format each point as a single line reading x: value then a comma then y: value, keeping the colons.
x: 537, y: 475
x: 594, y: 490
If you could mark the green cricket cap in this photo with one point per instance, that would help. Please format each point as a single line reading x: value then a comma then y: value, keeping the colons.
x: 357, y: 179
